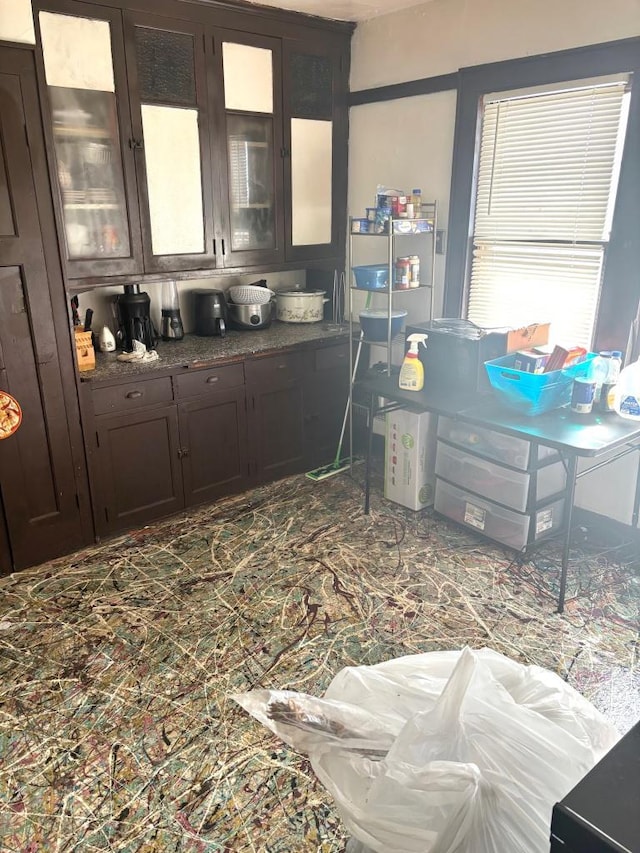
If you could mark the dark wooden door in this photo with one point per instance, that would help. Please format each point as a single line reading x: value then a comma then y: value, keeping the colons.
x: 37, y: 467
x: 139, y: 463
x: 213, y: 443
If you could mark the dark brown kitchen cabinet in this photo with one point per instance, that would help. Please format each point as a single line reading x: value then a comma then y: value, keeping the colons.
x: 275, y: 399
x: 91, y: 146
x: 315, y: 140
x: 213, y: 140
x: 213, y: 432
x: 172, y: 133
x: 326, y: 390
x: 166, y: 443
x: 139, y: 468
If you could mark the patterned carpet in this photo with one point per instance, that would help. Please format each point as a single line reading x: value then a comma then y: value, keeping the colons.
x: 116, y: 730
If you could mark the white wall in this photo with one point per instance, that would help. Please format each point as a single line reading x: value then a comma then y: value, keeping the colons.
x: 409, y: 142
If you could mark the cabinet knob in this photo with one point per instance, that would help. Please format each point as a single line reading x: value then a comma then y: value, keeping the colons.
x: 133, y: 395
x: 212, y: 379
x: 182, y: 452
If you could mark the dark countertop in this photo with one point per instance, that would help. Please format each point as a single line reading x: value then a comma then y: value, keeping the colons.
x: 193, y: 351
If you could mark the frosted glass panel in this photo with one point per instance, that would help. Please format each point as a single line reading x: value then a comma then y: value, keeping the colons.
x: 77, y: 52
x: 16, y: 22
x: 311, y: 181
x: 248, y: 78
x: 172, y: 155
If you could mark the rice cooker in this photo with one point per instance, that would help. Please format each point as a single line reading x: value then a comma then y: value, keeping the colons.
x: 252, y: 316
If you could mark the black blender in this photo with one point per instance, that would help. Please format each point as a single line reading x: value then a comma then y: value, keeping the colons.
x: 171, y: 328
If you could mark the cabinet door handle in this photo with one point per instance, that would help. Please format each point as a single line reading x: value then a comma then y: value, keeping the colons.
x: 224, y: 251
x: 133, y: 395
x: 212, y: 379
x: 282, y: 367
x: 135, y: 144
x: 182, y: 452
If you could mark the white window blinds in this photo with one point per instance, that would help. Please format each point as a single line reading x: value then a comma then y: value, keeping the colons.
x: 546, y: 182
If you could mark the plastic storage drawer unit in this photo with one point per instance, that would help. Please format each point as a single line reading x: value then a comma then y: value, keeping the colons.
x: 517, y: 452
x: 514, y: 529
x: 496, y: 482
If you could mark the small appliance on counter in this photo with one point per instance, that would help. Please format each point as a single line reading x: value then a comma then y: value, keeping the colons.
x: 251, y: 316
x: 210, y: 312
x: 172, y: 329
x: 134, y: 319
x: 251, y: 306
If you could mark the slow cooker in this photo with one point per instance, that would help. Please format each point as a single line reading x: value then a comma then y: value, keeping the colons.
x: 250, y: 316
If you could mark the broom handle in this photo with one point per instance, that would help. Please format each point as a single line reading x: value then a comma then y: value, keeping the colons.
x: 346, y: 409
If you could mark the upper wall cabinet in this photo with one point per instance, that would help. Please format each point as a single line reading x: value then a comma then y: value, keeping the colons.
x: 315, y: 145
x: 172, y: 132
x: 250, y: 153
x: 91, y: 152
x: 189, y: 144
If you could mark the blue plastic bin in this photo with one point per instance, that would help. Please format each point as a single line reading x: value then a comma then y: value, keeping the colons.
x: 534, y: 393
x: 372, y: 276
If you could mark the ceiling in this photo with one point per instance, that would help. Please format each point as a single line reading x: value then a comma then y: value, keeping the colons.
x: 343, y: 10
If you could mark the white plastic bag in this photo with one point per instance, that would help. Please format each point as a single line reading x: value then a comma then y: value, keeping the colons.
x: 445, y: 752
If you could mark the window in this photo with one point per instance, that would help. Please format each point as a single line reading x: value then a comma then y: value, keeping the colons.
x: 610, y: 257
x: 547, y: 176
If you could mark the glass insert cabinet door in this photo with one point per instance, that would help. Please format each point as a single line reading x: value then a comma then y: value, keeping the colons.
x: 310, y: 106
x: 253, y: 123
x: 81, y: 86
x: 170, y: 120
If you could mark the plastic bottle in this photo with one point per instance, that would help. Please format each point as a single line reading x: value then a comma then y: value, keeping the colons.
x: 608, y: 395
x: 598, y: 372
x: 627, y: 396
x: 412, y: 370
x: 416, y: 197
x: 106, y: 341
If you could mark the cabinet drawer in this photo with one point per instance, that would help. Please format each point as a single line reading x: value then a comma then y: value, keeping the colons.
x: 514, y: 529
x: 503, y: 448
x: 329, y: 357
x: 496, y: 482
x: 132, y: 395
x: 275, y: 371
x: 204, y: 381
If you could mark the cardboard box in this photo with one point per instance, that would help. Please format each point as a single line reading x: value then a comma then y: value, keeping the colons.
x: 410, y: 458
x: 531, y: 360
x: 533, y: 335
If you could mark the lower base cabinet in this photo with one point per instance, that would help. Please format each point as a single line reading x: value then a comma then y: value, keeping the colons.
x: 167, y: 443
x: 139, y: 468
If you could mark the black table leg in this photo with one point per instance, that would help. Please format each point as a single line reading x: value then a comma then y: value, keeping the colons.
x: 570, y: 492
x: 367, y: 476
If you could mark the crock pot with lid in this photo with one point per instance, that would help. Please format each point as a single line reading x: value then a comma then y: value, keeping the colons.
x: 300, y: 306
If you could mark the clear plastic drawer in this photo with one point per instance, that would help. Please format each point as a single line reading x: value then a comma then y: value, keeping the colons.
x: 503, y: 448
x: 514, y: 529
x: 496, y: 482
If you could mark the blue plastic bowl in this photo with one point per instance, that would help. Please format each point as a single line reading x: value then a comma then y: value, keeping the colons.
x: 375, y: 324
x: 372, y: 276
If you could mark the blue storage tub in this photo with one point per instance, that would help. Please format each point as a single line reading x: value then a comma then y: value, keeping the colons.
x: 372, y: 276
x: 534, y: 393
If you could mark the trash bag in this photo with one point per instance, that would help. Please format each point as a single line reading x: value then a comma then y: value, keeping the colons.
x: 443, y: 752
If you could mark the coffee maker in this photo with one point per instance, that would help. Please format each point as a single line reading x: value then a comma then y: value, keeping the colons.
x: 134, y: 318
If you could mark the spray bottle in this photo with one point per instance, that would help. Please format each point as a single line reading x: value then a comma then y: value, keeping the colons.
x: 412, y: 370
